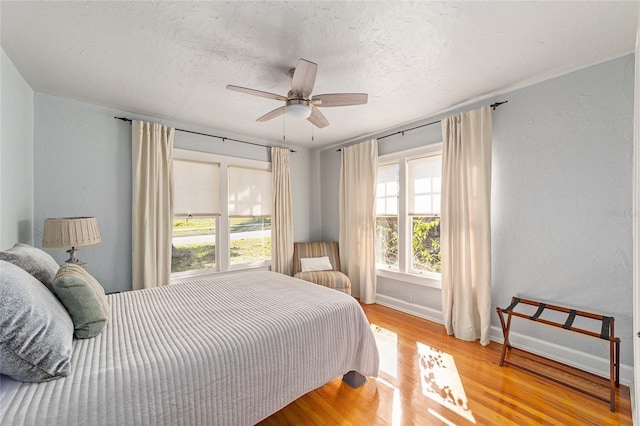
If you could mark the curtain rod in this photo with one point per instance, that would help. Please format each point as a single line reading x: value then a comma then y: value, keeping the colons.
x: 211, y: 136
x: 401, y: 132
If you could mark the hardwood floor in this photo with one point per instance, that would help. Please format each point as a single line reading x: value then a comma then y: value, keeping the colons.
x: 427, y: 377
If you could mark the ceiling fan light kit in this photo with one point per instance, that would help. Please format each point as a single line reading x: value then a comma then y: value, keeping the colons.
x: 299, y: 102
x: 298, y: 108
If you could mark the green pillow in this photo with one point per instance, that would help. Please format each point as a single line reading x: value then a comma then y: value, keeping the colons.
x: 84, y: 299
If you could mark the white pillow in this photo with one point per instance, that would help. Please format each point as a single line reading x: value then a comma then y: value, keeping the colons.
x: 315, y: 264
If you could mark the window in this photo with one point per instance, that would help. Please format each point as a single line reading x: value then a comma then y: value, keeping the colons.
x: 196, y: 207
x: 249, y: 215
x: 408, y: 212
x: 387, y: 215
x: 424, y: 209
x: 222, y: 213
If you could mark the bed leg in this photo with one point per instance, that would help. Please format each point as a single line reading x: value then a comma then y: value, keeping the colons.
x: 354, y: 379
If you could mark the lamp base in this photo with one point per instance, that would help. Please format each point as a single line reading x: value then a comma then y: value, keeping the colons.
x: 73, y: 258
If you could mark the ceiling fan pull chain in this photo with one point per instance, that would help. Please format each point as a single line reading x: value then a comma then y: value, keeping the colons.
x: 284, y: 128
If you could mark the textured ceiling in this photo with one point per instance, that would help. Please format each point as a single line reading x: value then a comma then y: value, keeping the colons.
x: 172, y: 60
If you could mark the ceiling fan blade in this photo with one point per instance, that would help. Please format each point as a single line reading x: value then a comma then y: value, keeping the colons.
x: 304, y: 78
x: 270, y: 115
x: 256, y: 93
x: 340, y: 99
x: 318, y: 119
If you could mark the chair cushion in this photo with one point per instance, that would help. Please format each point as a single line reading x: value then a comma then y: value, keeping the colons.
x: 332, y: 279
x: 309, y: 264
x: 315, y: 249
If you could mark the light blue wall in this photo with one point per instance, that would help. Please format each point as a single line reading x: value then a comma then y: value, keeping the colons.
x: 16, y: 157
x: 82, y: 164
x: 83, y: 168
x: 561, y: 199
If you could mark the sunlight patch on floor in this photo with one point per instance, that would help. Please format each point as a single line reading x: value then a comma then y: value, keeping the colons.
x: 396, y: 407
x: 441, y: 417
x: 387, y: 342
x: 441, y: 382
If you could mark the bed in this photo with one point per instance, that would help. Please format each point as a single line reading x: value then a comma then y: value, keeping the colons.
x: 230, y: 350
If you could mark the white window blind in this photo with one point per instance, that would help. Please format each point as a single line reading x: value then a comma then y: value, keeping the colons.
x: 387, y: 190
x: 424, y: 185
x: 249, y: 192
x: 196, y: 188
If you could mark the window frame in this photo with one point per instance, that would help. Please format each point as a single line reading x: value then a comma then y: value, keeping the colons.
x: 223, y: 237
x: 404, y: 272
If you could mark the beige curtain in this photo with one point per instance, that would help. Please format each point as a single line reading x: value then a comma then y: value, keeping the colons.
x: 358, y: 217
x: 152, y: 157
x: 465, y: 233
x: 282, y: 212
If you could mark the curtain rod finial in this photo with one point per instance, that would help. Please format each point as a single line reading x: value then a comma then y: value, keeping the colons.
x: 497, y: 104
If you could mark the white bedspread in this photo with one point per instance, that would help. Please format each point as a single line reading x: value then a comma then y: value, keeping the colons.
x: 226, y: 351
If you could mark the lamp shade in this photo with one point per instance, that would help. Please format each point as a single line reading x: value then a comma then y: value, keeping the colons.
x: 68, y: 232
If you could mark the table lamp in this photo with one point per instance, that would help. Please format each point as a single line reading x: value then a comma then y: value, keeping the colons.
x: 70, y: 233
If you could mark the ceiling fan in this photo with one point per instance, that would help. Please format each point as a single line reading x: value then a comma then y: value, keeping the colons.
x: 299, y: 102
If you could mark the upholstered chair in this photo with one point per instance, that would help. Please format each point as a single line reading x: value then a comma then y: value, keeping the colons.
x: 308, y: 256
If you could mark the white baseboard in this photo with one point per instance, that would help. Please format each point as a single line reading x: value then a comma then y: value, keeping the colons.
x: 420, y: 311
x: 568, y: 356
x: 635, y: 410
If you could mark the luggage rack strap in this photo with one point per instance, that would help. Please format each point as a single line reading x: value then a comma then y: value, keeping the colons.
x: 535, y: 316
x: 604, y: 333
x: 513, y: 304
x: 570, y: 319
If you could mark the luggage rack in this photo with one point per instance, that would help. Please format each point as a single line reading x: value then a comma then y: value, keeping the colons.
x: 606, y: 333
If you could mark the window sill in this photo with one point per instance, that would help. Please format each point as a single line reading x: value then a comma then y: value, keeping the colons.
x: 183, y: 277
x: 432, y: 281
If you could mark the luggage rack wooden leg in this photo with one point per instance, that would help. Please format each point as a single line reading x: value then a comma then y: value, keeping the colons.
x: 505, y: 334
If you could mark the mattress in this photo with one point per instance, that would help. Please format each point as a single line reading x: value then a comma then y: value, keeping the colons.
x: 230, y: 350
